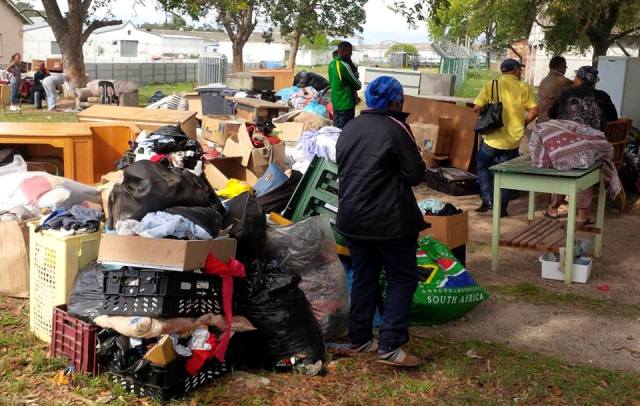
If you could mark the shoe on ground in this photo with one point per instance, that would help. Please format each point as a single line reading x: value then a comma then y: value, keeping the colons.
x: 347, y: 350
x: 13, y: 108
x: 398, y: 358
x: 504, y: 213
x: 484, y: 207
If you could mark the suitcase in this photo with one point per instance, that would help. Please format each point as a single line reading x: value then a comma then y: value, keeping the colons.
x: 452, y: 181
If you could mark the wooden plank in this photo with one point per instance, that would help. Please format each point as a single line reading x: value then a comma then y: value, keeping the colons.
x: 543, y: 236
x: 247, y: 101
x: 548, y: 227
x: 527, y: 232
x: 135, y: 114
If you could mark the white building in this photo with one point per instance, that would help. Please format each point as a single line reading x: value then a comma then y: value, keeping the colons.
x: 377, y: 53
x: 119, y: 43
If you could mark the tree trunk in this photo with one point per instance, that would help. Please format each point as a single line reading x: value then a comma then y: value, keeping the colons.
x: 73, y: 61
x: 295, y: 43
x: 238, y: 62
x: 599, y: 49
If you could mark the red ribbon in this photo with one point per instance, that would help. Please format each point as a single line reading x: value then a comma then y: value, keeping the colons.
x: 213, y: 266
x: 199, y: 357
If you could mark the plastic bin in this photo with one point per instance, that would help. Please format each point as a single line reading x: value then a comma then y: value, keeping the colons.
x: 212, y: 370
x: 317, y: 193
x: 54, y: 261
x: 213, y: 100
x: 551, y: 268
x: 74, y: 339
x: 155, y: 293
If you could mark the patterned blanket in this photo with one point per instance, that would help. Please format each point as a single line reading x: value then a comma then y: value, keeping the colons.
x: 565, y: 145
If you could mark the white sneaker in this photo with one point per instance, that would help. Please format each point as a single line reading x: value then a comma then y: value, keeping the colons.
x: 13, y: 108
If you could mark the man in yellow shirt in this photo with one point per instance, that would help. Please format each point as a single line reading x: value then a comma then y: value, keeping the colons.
x: 518, y: 110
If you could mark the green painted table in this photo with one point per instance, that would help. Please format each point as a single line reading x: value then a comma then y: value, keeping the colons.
x: 519, y: 174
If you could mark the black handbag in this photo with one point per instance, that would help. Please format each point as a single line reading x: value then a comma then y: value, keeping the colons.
x: 491, y: 116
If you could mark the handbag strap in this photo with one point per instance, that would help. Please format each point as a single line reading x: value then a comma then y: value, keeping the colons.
x: 497, y: 97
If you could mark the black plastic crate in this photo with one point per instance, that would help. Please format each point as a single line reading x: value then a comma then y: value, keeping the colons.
x: 156, y: 293
x: 179, y: 387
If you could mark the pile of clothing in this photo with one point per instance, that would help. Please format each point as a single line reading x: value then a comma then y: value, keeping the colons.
x: 320, y: 143
x: 435, y: 207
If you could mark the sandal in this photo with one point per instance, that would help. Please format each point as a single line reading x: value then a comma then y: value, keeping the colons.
x: 398, y: 358
x: 347, y: 350
x: 551, y: 216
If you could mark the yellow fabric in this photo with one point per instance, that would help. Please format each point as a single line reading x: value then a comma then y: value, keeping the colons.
x: 234, y: 188
x: 516, y: 97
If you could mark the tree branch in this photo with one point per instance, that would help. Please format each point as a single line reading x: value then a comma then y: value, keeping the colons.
x: 624, y: 33
x: 98, y: 24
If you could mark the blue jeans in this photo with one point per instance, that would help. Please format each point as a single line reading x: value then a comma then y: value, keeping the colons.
x: 398, y: 257
x: 342, y: 117
x: 486, y: 158
x: 15, y: 91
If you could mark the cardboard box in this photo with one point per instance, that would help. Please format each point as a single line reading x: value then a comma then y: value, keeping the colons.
x: 219, y: 171
x: 436, y: 139
x: 432, y: 160
x: 453, y: 231
x: 290, y: 131
x: 14, y: 259
x: 162, y: 253
x: 107, y: 182
x: 161, y: 353
x: 255, y: 159
x: 218, y: 128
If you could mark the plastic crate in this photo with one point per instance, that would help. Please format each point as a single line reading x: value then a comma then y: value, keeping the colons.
x: 317, y: 193
x: 212, y: 370
x: 156, y: 293
x: 54, y: 261
x: 74, y: 339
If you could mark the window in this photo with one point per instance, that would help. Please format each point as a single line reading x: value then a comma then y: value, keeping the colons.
x: 55, y: 48
x: 129, y: 48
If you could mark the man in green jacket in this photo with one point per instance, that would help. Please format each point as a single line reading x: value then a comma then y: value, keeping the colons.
x: 344, y: 85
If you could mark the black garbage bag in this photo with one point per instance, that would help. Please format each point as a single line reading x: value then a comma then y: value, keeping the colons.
x: 85, y: 298
x: 205, y: 217
x: 286, y: 326
x: 148, y: 187
x: 117, y: 355
x: 248, y: 227
x: 305, y: 79
x: 157, y: 96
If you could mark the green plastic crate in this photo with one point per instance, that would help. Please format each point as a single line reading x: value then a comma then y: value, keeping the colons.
x: 317, y: 193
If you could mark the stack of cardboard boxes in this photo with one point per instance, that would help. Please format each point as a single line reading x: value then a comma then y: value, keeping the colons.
x: 434, y: 140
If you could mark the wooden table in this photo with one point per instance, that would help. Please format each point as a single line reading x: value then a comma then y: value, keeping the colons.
x: 519, y: 174
x: 89, y: 150
x: 145, y: 119
x: 256, y: 110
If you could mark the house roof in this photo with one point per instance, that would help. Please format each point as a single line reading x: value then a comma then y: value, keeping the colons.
x: 18, y: 13
x: 216, y: 36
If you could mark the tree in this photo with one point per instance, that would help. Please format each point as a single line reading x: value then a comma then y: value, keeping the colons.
x: 72, y: 29
x: 239, y: 19
x: 591, y: 23
x: 406, y: 48
x: 298, y: 19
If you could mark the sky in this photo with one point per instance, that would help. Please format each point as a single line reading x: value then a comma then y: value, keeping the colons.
x: 382, y: 24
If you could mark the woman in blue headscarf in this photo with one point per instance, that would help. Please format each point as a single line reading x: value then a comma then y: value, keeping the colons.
x: 378, y: 164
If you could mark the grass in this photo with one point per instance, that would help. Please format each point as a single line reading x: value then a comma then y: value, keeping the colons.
x: 146, y: 91
x: 476, y: 78
x: 538, y: 295
x: 503, y: 376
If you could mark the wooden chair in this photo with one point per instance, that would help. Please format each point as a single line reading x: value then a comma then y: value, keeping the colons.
x: 617, y: 133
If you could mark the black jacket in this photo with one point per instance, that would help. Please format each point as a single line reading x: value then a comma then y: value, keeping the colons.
x: 378, y: 163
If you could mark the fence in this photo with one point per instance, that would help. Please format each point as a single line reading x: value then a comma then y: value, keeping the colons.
x: 455, y: 66
x: 144, y: 73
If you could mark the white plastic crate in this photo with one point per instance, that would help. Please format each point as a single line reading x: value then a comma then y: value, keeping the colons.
x: 54, y: 261
x: 551, y: 268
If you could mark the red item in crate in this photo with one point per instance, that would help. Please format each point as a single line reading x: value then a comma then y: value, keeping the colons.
x: 74, y: 339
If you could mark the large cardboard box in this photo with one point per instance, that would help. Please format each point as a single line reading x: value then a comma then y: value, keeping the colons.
x: 290, y: 131
x: 218, y: 128
x: 255, y: 159
x: 162, y: 253
x: 14, y: 259
x: 219, y: 171
x: 436, y: 139
x: 453, y: 231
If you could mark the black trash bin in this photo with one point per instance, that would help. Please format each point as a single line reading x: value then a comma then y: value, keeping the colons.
x: 212, y: 98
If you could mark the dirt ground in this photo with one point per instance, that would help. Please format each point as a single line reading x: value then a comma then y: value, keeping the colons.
x: 611, y: 341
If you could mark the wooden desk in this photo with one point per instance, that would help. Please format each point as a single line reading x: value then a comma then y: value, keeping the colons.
x: 519, y: 174
x: 256, y: 110
x: 89, y: 150
x: 145, y: 119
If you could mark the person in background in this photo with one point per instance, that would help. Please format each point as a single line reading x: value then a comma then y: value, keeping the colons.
x: 416, y: 62
x: 378, y: 164
x: 344, y: 84
x: 50, y: 85
x: 519, y: 108
x: 15, y: 74
x: 550, y: 89
x: 38, y: 90
x: 584, y: 104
